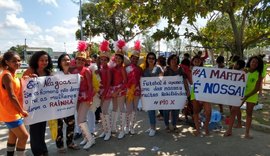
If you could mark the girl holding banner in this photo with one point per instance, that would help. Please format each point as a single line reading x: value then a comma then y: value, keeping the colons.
x: 40, y: 65
x: 11, y: 109
x: 152, y: 70
x: 196, y: 61
x: 134, y: 73
x: 63, y: 66
x: 86, y: 94
x: 255, y: 67
x: 118, y: 90
x: 172, y: 70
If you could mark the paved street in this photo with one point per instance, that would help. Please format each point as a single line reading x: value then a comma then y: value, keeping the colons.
x: 183, y: 143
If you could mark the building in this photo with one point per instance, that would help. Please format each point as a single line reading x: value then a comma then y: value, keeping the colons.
x: 31, y: 50
x: 56, y: 54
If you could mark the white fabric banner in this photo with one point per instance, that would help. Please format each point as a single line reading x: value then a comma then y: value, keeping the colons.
x: 50, y: 97
x: 216, y: 85
x: 163, y: 93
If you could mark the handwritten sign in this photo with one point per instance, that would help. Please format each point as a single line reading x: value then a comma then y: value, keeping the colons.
x: 163, y: 93
x: 222, y: 86
x: 50, y: 97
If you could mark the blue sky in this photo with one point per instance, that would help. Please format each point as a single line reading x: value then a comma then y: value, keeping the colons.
x: 44, y: 23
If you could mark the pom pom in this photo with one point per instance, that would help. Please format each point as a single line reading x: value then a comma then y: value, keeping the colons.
x: 120, y: 45
x: 104, y: 46
x: 137, y: 46
x: 82, y: 46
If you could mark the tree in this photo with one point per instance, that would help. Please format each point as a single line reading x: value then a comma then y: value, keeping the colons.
x: 175, y: 46
x: 254, y: 15
x: 20, y: 49
x: 236, y: 32
x: 148, y: 43
x: 110, y: 21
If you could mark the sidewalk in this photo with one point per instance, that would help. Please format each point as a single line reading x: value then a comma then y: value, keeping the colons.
x: 183, y: 143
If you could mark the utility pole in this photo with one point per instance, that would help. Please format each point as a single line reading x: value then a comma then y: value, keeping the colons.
x: 24, y: 52
x: 81, y: 20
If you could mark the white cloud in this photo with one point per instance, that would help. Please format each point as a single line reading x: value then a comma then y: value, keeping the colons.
x: 71, y: 22
x: 11, y: 6
x: 12, y: 21
x: 67, y: 29
x: 50, y: 2
x: 48, y: 13
x: 61, y: 31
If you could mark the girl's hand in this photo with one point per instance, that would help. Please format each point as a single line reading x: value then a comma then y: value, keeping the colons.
x: 24, y: 113
x: 188, y: 94
x: 81, y: 77
x: 25, y: 77
x: 114, y: 94
x: 33, y: 75
x: 243, y: 100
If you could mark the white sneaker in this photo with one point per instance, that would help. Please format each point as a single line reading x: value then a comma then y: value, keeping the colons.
x: 121, y: 135
x: 107, y: 136
x: 148, y: 130
x: 132, y: 131
x: 89, y: 144
x: 83, y: 142
x: 152, y: 132
x: 126, y: 130
x: 102, y: 135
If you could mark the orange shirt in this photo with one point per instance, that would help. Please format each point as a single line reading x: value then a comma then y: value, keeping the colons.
x: 8, y: 111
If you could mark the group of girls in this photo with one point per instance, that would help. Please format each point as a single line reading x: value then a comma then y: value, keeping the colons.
x: 120, y: 84
x: 254, y: 69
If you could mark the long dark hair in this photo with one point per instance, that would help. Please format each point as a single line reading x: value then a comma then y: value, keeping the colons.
x: 149, y: 54
x: 171, y: 57
x: 196, y: 57
x: 33, y: 63
x: 59, y: 61
x: 260, y: 63
x: 7, y: 57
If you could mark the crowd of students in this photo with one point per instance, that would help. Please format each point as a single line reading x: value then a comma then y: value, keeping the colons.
x: 111, y: 79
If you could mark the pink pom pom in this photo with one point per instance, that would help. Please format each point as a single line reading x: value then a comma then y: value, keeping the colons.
x: 82, y: 46
x: 104, y: 46
x: 121, y: 44
x: 137, y: 45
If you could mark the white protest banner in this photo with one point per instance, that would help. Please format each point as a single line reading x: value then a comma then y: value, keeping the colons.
x: 50, y: 97
x: 163, y: 93
x: 216, y: 85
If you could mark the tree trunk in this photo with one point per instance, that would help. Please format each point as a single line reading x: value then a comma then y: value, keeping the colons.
x: 238, y: 48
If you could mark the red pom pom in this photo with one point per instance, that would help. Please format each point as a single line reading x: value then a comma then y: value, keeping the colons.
x: 82, y: 46
x: 104, y: 46
x: 121, y: 44
x: 137, y: 45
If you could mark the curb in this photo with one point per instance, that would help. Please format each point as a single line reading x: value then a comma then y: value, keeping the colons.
x: 259, y: 127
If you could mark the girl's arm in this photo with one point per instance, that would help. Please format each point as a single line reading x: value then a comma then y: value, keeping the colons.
x: 124, y: 74
x: 11, y: 95
x: 107, y: 83
x: 254, y: 91
x: 186, y: 87
x: 29, y: 73
x: 88, y: 76
x: 161, y: 72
